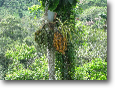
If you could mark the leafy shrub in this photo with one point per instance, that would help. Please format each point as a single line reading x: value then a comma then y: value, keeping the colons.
x: 10, y: 27
x: 25, y: 65
x: 23, y: 74
x: 21, y: 52
x: 89, y: 43
x: 88, y: 3
x: 92, y: 12
x: 95, y: 70
x: 40, y: 66
x: 36, y: 71
x: 29, y: 40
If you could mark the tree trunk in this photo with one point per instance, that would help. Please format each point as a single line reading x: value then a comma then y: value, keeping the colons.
x: 50, y: 49
x: 50, y: 54
x: 51, y: 63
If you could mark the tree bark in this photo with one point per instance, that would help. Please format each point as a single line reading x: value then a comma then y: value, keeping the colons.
x: 51, y: 63
x: 50, y: 49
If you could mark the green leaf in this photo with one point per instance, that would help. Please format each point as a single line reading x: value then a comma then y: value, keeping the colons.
x: 71, y: 16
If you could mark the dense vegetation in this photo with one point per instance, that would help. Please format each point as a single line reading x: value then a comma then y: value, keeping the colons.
x: 22, y: 59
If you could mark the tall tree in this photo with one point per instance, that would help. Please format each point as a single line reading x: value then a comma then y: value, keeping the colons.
x: 63, y: 8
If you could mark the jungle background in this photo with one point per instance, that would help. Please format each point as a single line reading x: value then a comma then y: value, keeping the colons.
x: 22, y: 59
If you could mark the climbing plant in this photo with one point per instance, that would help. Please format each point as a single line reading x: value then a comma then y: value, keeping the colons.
x: 64, y: 10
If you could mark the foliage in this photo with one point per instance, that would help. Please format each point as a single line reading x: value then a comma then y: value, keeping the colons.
x: 23, y: 32
x: 86, y: 35
x: 94, y: 70
x: 65, y: 28
x: 66, y: 9
x: 41, y: 37
x: 65, y: 64
x: 86, y: 45
x: 92, y: 13
x: 17, y: 8
x: 23, y: 74
x: 10, y: 27
x: 95, y: 12
x: 79, y: 33
x: 54, y: 5
x: 22, y: 59
x: 21, y: 52
x: 25, y: 65
x: 59, y: 6
x: 36, y: 71
x: 85, y: 39
x: 88, y: 3
x: 36, y: 10
x: 10, y: 32
x: 40, y: 66
x: 14, y: 29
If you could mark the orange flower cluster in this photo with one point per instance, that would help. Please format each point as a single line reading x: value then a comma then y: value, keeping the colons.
x: 60, y: 42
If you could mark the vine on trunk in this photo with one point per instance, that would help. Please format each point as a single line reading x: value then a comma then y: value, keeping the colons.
x: 61, y: 38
